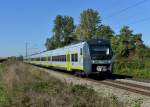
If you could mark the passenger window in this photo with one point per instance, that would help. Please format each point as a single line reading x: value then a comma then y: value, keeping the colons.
x: 81, y: 51
x: 49, y: 58
x: 74, y: 57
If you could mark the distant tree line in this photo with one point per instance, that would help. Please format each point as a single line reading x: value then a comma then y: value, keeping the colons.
x: 125, y: 44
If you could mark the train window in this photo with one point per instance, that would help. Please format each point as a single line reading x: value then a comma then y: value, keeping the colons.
x: 43, y: 58
x: 81, y: 51
x: 38, y: 59
x: 46, y: 58
x: 56, y: 58
x: 74, y: 57
x: 64, y: 57
x: 49, y: 58
x: 59, y: 58
x: 53, y: 58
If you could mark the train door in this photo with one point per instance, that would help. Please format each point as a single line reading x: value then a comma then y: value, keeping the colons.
x: 68, y: 61
x: 87, y: 60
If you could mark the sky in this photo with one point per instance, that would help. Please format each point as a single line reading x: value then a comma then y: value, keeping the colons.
x: 31, y: 21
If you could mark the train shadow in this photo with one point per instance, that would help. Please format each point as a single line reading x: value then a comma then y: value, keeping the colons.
x: 109, y: 76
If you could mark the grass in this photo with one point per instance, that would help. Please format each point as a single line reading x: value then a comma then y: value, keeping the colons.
x: 137, y: 103
x: 25, y: 86
x: 4, y: 98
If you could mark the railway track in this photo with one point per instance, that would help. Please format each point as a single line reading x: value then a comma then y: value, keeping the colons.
x: 132, y: 87
x: 143, y: 90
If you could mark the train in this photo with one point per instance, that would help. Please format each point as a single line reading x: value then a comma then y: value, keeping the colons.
x: 87, y: 57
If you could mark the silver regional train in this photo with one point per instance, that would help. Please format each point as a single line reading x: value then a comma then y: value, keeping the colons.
x: 91, y: 56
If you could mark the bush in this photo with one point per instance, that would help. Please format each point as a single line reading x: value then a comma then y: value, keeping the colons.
x: 135, y: 67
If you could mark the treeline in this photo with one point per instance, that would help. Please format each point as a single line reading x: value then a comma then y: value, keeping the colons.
x: 65, y: 32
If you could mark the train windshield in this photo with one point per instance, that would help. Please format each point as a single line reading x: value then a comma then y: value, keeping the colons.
x: 100, y: 52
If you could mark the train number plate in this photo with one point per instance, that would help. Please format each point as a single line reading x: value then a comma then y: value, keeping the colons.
x: 101, y: 68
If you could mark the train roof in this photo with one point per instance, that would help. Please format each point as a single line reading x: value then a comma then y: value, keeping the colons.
x: 91, y: 41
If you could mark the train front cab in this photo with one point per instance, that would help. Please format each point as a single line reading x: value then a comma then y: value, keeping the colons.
x: 98, y: 58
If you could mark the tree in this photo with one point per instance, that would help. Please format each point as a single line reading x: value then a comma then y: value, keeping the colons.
x: 68, y: 28
x: 62, y: 32
x: 50, y: 43
x: 126, y: 42
x: 115, y: 43
x: 89, y: 22
x: 57, y: 30
x: 78, y: 33
x: 104, y: 32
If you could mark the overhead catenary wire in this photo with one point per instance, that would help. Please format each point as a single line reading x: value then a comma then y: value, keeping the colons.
x: 135, y: 22
x: 125, y: 9
x: 32, y: 49
x: 139, y: 21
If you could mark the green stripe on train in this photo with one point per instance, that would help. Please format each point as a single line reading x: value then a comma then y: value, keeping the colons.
x: 66, y: 66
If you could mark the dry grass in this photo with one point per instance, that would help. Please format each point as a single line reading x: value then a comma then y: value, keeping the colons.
x: 26, y: 86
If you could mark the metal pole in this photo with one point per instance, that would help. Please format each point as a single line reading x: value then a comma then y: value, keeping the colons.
x: 26, y: 49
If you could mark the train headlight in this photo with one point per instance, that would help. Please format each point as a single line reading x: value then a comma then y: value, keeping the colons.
x: 93, y: 61
x: 107, y: 51
x: 109, y: 61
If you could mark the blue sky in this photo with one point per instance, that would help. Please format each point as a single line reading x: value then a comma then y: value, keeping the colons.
x: 31, y: 21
